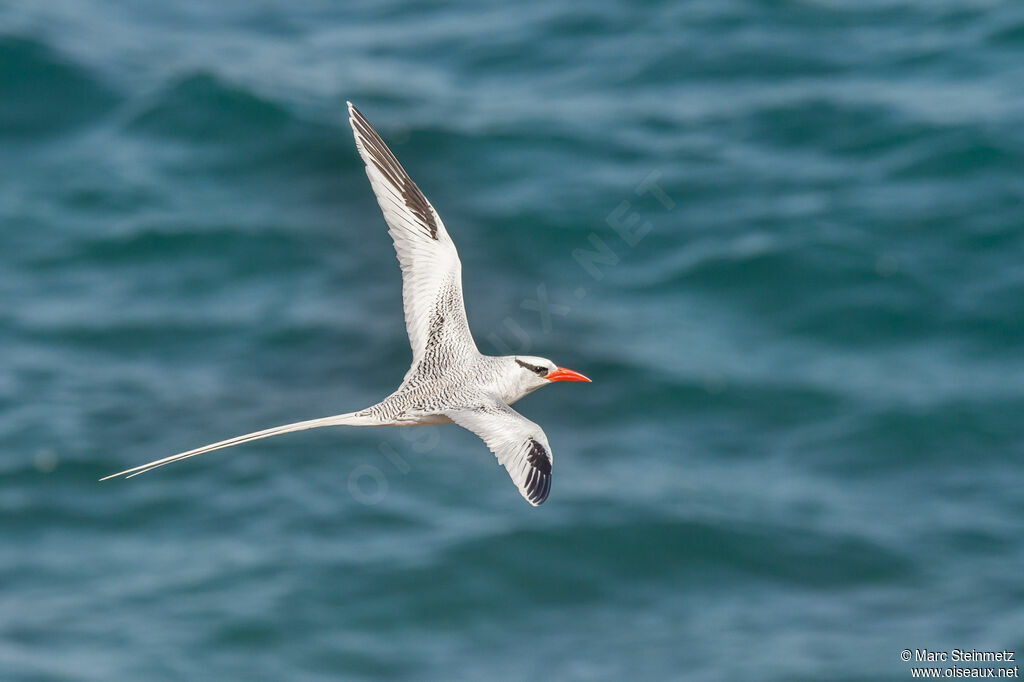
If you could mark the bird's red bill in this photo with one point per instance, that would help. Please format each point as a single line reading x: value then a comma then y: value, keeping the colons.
x: 565, y: 374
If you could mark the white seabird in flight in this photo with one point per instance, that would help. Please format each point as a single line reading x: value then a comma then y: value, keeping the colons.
x: 449, y: 380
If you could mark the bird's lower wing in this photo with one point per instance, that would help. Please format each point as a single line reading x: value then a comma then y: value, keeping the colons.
x: 519, y: 444
x: 435, y: 315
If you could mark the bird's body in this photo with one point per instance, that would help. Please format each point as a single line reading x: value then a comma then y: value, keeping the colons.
x: 449, y: 380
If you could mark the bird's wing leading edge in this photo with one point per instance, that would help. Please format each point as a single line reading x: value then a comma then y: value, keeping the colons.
x: 435, y: 315
x: 519, y: 444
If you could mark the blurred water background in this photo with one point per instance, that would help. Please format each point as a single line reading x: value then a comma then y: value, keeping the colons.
x: 784, y: 238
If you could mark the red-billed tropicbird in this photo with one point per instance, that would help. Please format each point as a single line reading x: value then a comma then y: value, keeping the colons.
x: 449, y: 380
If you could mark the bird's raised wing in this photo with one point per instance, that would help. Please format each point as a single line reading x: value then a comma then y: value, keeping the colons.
x: 435, y: 315
x: 519, y: 444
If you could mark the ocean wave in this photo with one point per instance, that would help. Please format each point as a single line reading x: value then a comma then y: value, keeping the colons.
x: 265, y: 247
x: 1007, y: 34
x: 44, y: 93
x: 958, y: 152
x: 203, y: 108
x: 577, y: 563
x: 951, y: 435
x: 830, y: 125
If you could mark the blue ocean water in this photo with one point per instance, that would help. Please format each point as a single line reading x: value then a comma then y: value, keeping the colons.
x: 784, y: 239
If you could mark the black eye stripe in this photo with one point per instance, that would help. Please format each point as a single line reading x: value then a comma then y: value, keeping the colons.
x: 540, y: 371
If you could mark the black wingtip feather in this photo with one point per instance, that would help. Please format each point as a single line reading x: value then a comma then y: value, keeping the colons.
x: 538, y: 457
x: 538, y: 483
x: 388, y: 165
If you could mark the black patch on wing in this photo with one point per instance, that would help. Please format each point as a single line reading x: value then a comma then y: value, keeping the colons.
x: 538, y: 457
x: 386, y: 162
x: 538, y: 481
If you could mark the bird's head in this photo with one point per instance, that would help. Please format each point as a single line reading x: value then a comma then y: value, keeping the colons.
x: 533, y: 372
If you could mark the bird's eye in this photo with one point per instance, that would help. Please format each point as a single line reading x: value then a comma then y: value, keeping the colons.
x: 539, y: 371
